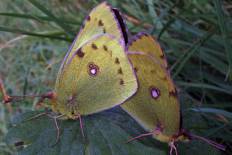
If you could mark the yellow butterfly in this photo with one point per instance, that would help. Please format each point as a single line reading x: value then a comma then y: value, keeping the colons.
x: 95, y: 74
x: 155, y: 105
x: 98, y: 77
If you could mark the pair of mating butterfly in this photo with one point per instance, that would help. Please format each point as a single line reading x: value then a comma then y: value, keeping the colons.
x: 96, y: 74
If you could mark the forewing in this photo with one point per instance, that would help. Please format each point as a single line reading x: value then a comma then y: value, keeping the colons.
x: 145, y: 43
x: 102, y: 19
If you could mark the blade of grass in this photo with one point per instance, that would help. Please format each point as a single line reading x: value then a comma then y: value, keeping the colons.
x: 154, y: 17
x: 213, y: 111
x: 35, y: 17
x: 214, y: 61
x: 185, y: 57
x: 40, y: 34
x: 224, y: 32
x: 60, y: 23
x: 137, y: 7
x: 203, y: 86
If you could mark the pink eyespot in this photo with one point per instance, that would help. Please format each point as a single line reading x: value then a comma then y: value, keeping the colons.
x: 93, y: 69
x: 155, y: 92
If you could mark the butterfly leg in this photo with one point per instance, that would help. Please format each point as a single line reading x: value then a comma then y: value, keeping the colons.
x: 58, y: 130
x: 37, y: 116
x: 55, y: 121
x: 57, y: 127
x: 172, y: 147
x: 81, y: 124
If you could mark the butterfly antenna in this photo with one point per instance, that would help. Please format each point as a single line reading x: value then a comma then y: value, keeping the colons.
x: 154, y: 132
x: 214, y: 144
x: 172, y: 147
x: 140, y: 136
x: 36, y: 116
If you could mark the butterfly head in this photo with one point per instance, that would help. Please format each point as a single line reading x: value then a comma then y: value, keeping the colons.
x: 66, y: 105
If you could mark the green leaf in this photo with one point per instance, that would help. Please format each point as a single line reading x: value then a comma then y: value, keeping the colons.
x: 197, y: 148
x: 106, y: 133
x: 102, y: 136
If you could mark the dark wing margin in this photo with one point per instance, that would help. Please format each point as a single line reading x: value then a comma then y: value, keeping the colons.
x: 121, y: 24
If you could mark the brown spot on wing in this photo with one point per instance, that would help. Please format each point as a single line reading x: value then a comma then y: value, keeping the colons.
x: 94, y: 46
x: 80, y: 53
x: 121, y: 82
x: 173, y: 93
x: 105, y: 48
x: 145, y: 34
x: 120, y: 71
x: 153, y: 71
x: 164, y: 78
x: 162, y: 56
x: 110, y: 53
x: 135, y: 69
x: 104, y: 30
x: 117, y: 61
x: 139, y: 37
x: 100, y: 23
x: 88, y: 18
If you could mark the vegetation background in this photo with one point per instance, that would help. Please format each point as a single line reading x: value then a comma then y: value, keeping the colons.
x: 195, y: 35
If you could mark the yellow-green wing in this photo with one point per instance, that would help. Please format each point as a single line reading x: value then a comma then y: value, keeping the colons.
x: 102, y: 19
x: 145, y: 43
x: 155, y: 105
x: 99, y: 76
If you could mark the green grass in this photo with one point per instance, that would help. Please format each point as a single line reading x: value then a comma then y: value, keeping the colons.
x: 195, y: 35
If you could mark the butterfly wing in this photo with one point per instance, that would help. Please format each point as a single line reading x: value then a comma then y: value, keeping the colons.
x: 102, y: 19
x: 145, y: 43
x: 99, y: 76
x: 155, y: 103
